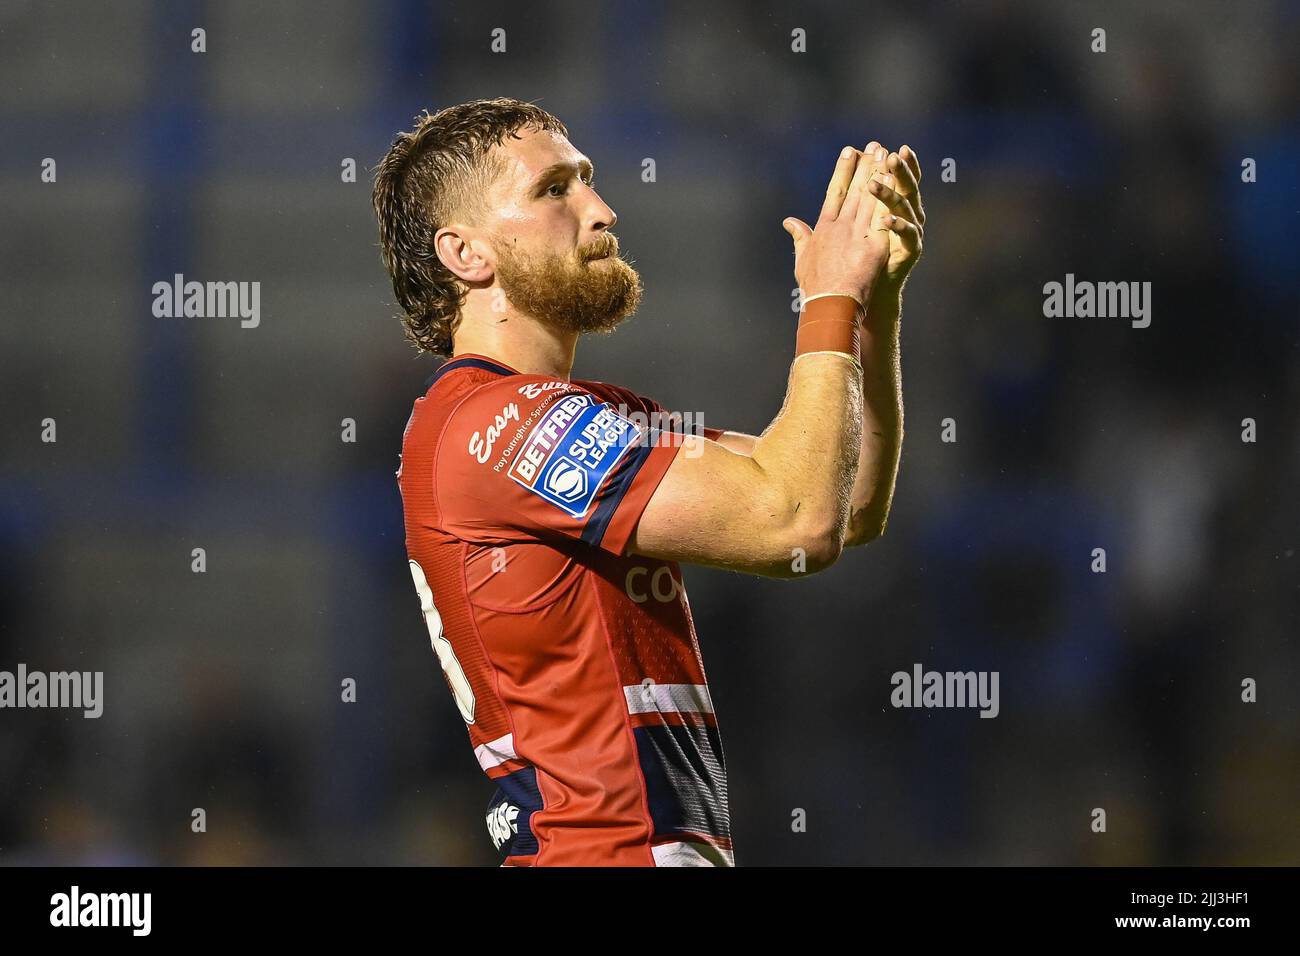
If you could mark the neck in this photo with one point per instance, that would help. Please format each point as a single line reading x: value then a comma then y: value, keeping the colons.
x: 517, y: 340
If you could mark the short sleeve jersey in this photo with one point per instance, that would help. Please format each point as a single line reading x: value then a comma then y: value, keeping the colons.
x: 573, y: 663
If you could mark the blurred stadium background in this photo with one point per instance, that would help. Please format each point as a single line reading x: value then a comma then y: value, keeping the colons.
x: 1118, y: 690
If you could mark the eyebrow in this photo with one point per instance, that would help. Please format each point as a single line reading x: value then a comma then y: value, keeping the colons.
x: 581, y: 166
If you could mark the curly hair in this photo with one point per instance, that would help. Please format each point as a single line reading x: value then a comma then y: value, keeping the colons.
x: 435, y: 174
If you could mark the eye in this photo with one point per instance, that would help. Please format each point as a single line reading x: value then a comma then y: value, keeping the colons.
x: 563, y: 187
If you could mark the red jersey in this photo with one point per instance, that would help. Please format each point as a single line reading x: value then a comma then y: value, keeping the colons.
x: 573, y: 663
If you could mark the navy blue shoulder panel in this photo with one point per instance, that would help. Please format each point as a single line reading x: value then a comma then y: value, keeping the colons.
x: 454, y: 364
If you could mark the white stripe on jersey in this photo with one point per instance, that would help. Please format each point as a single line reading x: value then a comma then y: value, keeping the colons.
x: 668, y: 698
x: 692, y: 854
x: 496, y: 752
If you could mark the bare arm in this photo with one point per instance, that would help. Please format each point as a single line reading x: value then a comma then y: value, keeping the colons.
x: 790, y: 496
x: 896, y: 185
x: 882, y: 430
x: 751, y: 512
x: 739, y: 442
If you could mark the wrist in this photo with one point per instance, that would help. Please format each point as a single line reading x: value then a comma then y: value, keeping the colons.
x: 884, y: 306
x: 830, y: 322
x: 855, y: 296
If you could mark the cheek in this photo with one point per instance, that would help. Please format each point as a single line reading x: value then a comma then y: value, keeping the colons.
x: 558, y: 238
x: 545, y: 229
x: 557, y: 218
x: 553, y: 229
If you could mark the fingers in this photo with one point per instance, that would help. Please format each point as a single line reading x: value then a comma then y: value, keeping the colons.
x: 902, y: 174
x: 913, y: 162
x: 895, y: 201
x: 905, y: 183
x: 838, y: 189
x: 798, y: 230
x: 908, y: 232
x: 908, y: 172
x: 858, y: 196
x: 873, y: 154
x: 858, y: 174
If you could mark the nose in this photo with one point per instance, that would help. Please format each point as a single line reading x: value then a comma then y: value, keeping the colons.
x: 602, y: 217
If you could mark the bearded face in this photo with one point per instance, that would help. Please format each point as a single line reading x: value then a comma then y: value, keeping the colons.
x: 588, y: 290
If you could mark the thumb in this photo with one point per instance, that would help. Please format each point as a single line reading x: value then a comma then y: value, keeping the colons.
x: 798, y: 230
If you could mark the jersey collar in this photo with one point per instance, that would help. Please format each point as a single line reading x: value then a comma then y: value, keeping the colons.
x: 470, y: 360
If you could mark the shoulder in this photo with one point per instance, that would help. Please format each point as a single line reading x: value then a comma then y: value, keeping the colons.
x: 623, y: 399
x: 469, y: 391
x: 443, y: 398
x: 485, y: 422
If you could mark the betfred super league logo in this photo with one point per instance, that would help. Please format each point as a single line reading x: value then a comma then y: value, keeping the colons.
x: 572, y: 450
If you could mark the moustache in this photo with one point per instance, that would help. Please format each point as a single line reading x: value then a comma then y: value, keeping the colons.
x: 601, y: 249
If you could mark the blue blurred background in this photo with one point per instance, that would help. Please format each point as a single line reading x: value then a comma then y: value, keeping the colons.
x: 1118, y: 690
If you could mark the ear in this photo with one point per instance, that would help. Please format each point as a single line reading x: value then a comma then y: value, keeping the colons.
x: 466, y: 256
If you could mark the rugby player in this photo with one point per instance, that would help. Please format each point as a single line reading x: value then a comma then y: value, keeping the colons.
x: 545, y: 525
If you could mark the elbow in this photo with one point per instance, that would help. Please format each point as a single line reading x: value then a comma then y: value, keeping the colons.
x: 809, y: 547
x: 865, y: 527
x: 825, y: 551
x: 798, y: 537
x: 866, y: 535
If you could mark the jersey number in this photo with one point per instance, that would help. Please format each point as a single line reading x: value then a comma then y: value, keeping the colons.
x: 451, y: 669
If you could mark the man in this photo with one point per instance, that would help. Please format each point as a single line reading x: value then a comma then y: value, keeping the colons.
x: 545, y: 525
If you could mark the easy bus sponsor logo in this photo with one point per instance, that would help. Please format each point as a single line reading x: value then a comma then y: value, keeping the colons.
x: 480, y: 447
x: 571, y: 451
x: 534, y: 389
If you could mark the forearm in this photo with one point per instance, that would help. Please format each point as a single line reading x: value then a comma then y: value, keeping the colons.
x: 882, y: 415
x: 779, y: 511
x: 822, y: 414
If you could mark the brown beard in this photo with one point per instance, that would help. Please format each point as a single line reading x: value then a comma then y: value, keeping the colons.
x: 573, y: 292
